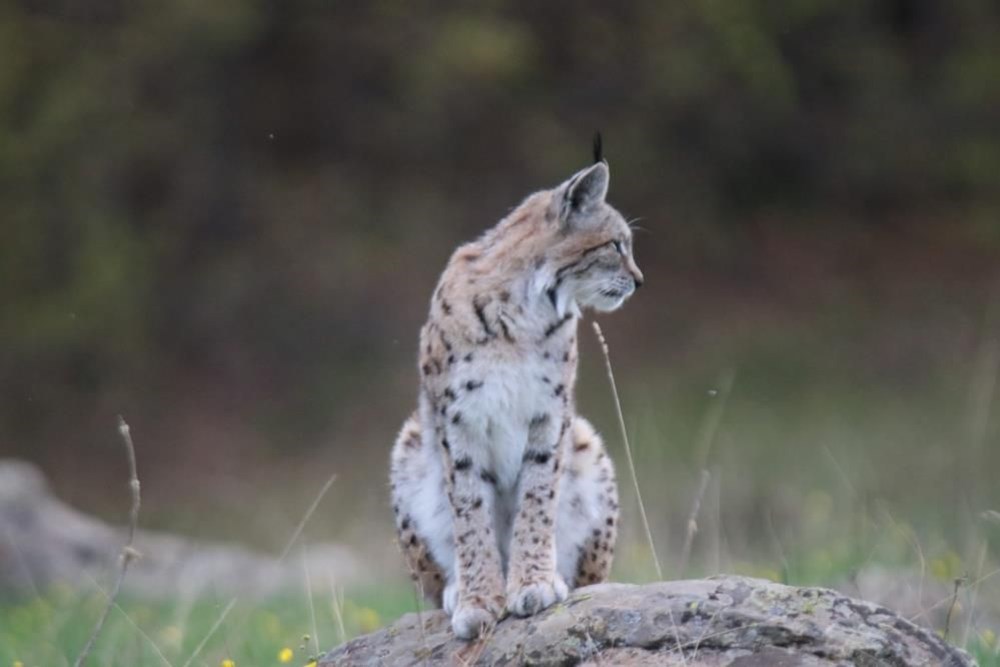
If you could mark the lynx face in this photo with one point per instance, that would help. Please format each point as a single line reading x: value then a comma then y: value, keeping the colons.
x: 592, y: 265
x: 610, y: 278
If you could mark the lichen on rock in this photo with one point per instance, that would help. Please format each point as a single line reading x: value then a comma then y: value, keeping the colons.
x: 721, y: 621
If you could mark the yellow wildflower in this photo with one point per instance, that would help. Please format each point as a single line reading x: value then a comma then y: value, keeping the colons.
x: 18, y: 663
x: 947, y: 567
x: 228, y: 663
x: 368, y: 619
x: 285, y: 655
x: 311, y: 663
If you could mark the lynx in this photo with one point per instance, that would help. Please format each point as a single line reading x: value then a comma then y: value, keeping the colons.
x: 505, y: 498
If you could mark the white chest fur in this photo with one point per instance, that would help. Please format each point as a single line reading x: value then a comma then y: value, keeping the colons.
x: 496, y: 416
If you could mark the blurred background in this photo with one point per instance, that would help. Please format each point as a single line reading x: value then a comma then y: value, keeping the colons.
x: 224, y: 220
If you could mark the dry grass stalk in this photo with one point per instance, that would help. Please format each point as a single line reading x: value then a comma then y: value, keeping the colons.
x: 692, y: 522
x: 710, y: 425
x: 695, y: 643
x: 337, y: 608
x: 128, y: 551
x: 419, y: 592
x: 128, y: 619
x: 284, y: 553
x: 975, y: 593
x: 628, y: 449
x: 943, y: 601
x: 470, y: 654
x: 677, y: 636
x: 215, y: 627
x: 305, y: 518
x: 708, y: 626
x: 312, y: 606
x: 708, y: 431
x: 951, y: 608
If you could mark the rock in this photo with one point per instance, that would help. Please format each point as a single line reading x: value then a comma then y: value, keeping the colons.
x: 43, y: 541
x: 732, y: 621
x: 923, y: 598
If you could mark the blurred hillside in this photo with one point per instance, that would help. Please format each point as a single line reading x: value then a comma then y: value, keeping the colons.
x: 224, y: 219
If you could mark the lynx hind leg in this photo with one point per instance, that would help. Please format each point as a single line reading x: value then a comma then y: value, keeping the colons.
x: 408, y: 473
x: 587, y: 523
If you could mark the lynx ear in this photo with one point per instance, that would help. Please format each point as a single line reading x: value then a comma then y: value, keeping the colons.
x: 584, y: 192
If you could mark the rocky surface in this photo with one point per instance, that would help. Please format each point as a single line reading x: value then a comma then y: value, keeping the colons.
x: 732, y: 621
x: 43, y: 540
x: 924, y: 598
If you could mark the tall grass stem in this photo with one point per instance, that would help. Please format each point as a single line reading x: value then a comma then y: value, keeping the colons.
x: 628, y: 449
x: 128, y: 553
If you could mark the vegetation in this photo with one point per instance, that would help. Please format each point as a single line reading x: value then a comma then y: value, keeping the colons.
x: 50, y: 629
x: 233, y: 212
x: 224, y: 220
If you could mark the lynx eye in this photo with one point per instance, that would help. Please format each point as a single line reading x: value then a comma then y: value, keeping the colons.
x: 619, y: 247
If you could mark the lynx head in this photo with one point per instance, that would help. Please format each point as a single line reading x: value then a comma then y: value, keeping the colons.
x: 590, y: 263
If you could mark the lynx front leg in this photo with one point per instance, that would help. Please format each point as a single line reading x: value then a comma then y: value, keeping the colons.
x: 477, y: 558
x: 532, y: 581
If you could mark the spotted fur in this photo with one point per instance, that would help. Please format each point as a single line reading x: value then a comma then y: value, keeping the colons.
x: 504, y: 497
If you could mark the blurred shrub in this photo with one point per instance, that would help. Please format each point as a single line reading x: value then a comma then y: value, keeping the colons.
x: 235, y: 189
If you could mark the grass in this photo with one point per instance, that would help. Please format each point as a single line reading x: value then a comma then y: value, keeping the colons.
x: 986, y: 651
x: 811, y: 483
x: 833, y: 532
x: 49, y: 630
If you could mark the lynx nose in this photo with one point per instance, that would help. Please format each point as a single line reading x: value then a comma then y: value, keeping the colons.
x: 636, y: 273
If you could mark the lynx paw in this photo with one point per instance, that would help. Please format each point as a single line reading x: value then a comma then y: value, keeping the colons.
x: 469, y: 621
x: 533, y: 597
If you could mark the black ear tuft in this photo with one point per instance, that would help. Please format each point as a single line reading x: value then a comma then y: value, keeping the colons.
x: 598, y: 148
